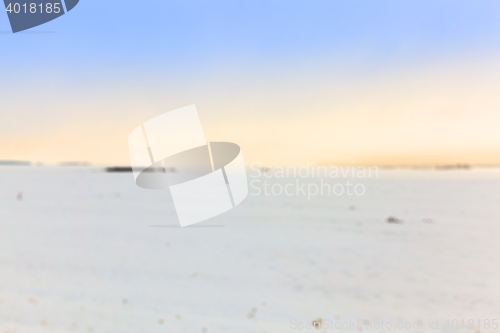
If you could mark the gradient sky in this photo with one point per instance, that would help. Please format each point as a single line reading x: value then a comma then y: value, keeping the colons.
x: 375, y: 82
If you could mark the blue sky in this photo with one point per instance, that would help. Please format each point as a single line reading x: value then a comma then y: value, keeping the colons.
x: 163, y: 36
x: 106, y: 55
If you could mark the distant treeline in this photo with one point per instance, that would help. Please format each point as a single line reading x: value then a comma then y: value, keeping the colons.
x: 15, y: 163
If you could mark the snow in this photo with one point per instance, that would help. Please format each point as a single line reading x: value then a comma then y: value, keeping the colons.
x: 87, y: 251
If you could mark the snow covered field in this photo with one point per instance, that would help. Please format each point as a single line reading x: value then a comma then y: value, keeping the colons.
x: 86, y: 251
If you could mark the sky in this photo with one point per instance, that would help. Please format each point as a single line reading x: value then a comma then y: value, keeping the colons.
x: 374, y: 82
